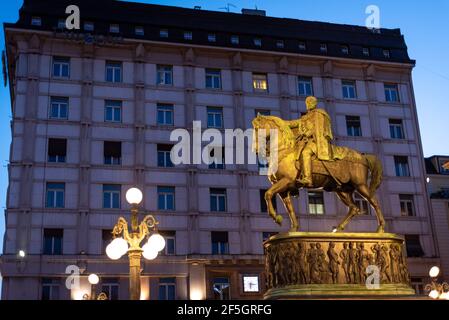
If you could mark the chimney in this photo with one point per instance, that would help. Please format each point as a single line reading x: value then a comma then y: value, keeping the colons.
x: 254, y: 12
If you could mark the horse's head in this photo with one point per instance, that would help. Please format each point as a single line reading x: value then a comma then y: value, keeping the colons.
x: 267, y: 123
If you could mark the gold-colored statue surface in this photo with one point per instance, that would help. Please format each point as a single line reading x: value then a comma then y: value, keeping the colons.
x: 307, y: 159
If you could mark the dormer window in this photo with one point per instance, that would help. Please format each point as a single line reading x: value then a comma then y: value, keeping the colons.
x: 188, y: 35
x: 344, y: 50
x: 163, y: 33
x: 386, y: 53
x: 280, y: 44
x: 365, y: 52
x: 88, y: 26
x: 323, y: 48
x: 36, y: 21
x: 257, y: 42
x: 211, y: 37
x: 139, y: 31
x: 302, y: 46
x: 114, y: 28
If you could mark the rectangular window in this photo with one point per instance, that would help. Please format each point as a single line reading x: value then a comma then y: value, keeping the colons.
x: 61, y: 24
x: 280, y: 44
x: 112, y: 152
x: 164, y: 75
x: 139, y: 31
x: 362, y: 204
x: 302, y: 46
x: 220, y: 244
x: 59, y: 108
x: 89, y: 26
x: 366, y: 52
x: 163, y: 155
x: 170, y: 242
x: 401, y: 166
x: 113, y: 111
x: 213, y: 79
x: 50, y: 289
x: 188, y: 35
x: 305, y: 86
x: 113, y: 71
x: 386, y: 53
x: 396, y: 129
x: 211, y: 37
x: 263, y: 112
x: 166, y: 198
x: 163, y: 33
x: 413, y: 246
x: 217, y: 200
x: 61, y: 67
x: 353, y: 126
x: 263, y: 203
x: 55, y: 195
x: 258, y: 42
x: 316, y: 203
x: 214, y: 117
x: 349, y: 89
x: 323, y: 48
x: 167, y: 288
x: 111, y: 196
x: 52, y: 244
x: 260, y: 82
x: 344, y: 50
x: 165, y: 114
x: 36, y: 21
x: 57, y: 150
x: 114, y: 28
x: 218, y: 159
x: 407, y: 205
x: 222, y: 288
x: 391, y: 92
x: 106, y: 238
x: 235, y: 39
x: 110, y: 286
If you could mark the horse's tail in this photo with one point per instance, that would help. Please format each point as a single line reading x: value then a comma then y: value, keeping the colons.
x: 375, y: 166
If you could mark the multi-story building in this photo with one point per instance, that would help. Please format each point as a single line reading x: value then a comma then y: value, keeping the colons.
x: 438, y: 188
x: 93, y: 110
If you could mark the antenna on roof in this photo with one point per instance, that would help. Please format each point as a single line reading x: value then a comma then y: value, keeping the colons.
x: 228, y: 7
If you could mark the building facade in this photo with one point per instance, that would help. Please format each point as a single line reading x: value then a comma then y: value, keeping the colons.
x: 93, y: 110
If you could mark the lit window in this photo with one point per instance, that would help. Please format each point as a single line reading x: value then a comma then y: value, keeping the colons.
x: 55, y: 195
x: 112, y: 111
x: 211, y: 37
x: 167, y: 289
x: 401, y: 166
x: 61, y: 67
x: 139, y: 31
x: 250, y: 283
x: 163, y: 33
x: 165, y: 114
x: 164, y: 75
x: 366, y: 52
x: 386, y: 53
x: 353, y: 126
x: 302, y: 46
x: 36, y: 21
x: 323, y: 48
x: 163, y: 156
x: 88, y: 26
x: 305, y: 86
x: 391, y: 92
x: 166, y: 198
x: 217, y: 200
x: 258, y: 42
x: 215, y: 117
x: 260, y: 82
x: 213, y: 79
x: 188, y: 35
x: 57, y: 150
x: 349, y: 89
x: 316, y: 203
x: 59, y: 108
x: 114, y: 28
x: 344, y: 49
x: 111, y: 196
x: 396, y: 129
x: 112, y: 151
x: 407, y: 206
x: 235, y: 39
x: 280, y: 44
x: 113, y: 71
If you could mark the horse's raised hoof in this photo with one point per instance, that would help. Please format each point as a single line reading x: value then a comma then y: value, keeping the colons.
x: 380, y: 229
x: 278, y: 219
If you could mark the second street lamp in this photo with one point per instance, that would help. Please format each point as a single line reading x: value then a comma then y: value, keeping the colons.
x: 126, y: 241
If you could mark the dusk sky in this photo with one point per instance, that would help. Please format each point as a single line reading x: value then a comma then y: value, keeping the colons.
x: 423, y: 23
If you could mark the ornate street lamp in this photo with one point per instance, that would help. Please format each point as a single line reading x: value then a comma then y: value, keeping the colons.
x: 139, y: 232
x: 93, y: 280
x: 437, y: 290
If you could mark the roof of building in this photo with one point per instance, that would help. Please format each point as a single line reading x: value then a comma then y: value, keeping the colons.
x: 436, y: 164
x: 224, y: 24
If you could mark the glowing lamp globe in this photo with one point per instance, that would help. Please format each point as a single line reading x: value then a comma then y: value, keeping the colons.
x: 117, y: 248
x: 149, y: 252
x: 444, y: 296
x: 434, y: 272
x: 134, y: 196
x: 434, y: 294
x: 93, y: 279
x: 157, y: 241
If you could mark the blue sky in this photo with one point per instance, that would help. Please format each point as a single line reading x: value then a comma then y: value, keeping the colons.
x: 424, y: 24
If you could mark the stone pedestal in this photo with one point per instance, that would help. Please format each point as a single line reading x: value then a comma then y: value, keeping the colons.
x: 325, y: 265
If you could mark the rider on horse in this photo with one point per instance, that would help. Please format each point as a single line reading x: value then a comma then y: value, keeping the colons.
x: 314, y: 139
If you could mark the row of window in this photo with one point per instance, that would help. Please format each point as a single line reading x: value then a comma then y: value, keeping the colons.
x: 61, y: 69
x: 354, y: 127
x: 217, y: 199
x: 139, y: 30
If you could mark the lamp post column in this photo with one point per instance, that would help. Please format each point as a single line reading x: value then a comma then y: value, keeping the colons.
x: 134, y: 273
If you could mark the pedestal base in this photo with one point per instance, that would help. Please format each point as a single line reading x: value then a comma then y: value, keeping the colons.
x: 339, y: 265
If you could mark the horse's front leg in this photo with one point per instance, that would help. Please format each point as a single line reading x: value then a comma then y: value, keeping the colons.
x: 276, y: 188
x: 286, y: 198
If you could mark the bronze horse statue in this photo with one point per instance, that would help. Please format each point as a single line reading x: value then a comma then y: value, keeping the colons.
x: 344, y: 176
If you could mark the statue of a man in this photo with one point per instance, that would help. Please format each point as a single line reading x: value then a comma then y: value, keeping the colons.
x: 314, y: 138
